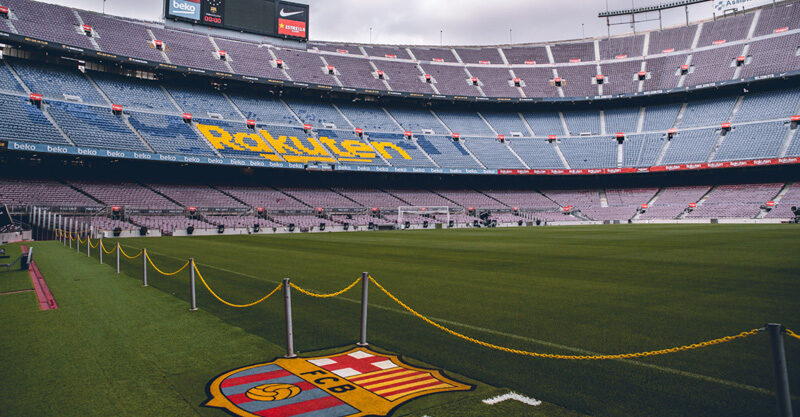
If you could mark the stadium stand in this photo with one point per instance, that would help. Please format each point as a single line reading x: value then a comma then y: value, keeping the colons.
x: 76, y: 110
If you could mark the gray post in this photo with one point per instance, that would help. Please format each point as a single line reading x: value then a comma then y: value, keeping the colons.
x: 100, y: 246
x: 364, y: 293
x: 287, y: 297
x: 117, y: 258
x: 30, y: 255
x: 144, y: 267
x: 191, y: 285
x: 781, y: 374
x: 78, y: 244
x: 88, y: 246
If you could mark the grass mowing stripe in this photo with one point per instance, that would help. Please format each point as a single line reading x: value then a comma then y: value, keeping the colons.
x: 661, y: 368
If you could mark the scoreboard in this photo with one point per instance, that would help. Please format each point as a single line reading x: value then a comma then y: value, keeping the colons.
x: 264, y: 17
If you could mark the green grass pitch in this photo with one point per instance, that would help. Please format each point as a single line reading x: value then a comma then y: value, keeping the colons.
x: 568, y: 290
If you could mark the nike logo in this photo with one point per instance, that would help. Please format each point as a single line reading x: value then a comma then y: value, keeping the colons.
x: 284, y: 14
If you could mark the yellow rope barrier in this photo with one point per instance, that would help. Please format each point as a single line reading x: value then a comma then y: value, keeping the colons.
x: 81, y: 240
x: 333, y: 294
x: 792, y: 334
x: 130, y: 257
x: 569, y: 357
x: 104, y: 248
x: 199, y: 275
x: 165, y: 273
x: 92, y: 246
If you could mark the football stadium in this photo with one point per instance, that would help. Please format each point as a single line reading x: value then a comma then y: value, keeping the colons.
x: 212, y: 213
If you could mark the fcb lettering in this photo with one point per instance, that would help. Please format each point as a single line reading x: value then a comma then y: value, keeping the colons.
x: 358, y: 382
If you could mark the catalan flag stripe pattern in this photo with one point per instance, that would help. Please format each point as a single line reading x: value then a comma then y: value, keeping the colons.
x: 395, y: 383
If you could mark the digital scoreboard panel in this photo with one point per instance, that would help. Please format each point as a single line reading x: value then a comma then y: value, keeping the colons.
x: 264, y: 17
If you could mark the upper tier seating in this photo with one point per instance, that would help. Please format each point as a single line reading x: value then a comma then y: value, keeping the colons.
x: 149, y: 110
x: 506, y: 123
x: 623, y: 46
x: 8, y: 83
x: 25, y: 122
x: 264, y: 109
x: 57, y: 82
x: 169, y: 134
x: 47, y: 21
x: 95, y: 127
x: 642, y: 150
x: 597, y: 152
x: 203, y: 102
x: 691, y: 146
x: 189, y: 49
x: 415, y: 120
x: 368, y: 117
x: 522, y: 54
x: 431, y: 54
x: 726, y: 29
x: 567, y: 52
x: 476, y: 55
x: 317, y: 114
x: 774, y: 19
x: 134, y: 93
x: 115, y: 35
x: 465, y: 122
x: 395, y: 158
x: 678, y: 39
x: 770, y: 51
x: 493, y: 154
x: 404, y: 76
x: 445, y: 152
x: 622, y: 119
x: 537, y: 153
x: 249, y: 58
x: 753, y: 141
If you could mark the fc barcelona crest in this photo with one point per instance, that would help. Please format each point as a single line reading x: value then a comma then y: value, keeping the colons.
x: 358, y: 382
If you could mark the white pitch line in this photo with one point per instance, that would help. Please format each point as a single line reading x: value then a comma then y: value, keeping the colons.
x: 512, y: 396
x: 673, y: 371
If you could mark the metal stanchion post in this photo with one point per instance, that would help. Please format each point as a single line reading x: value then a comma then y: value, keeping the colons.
x: 781, y: 374
x: 100, y: 246
x: 78, y: 244
x: 144, y: 267
x: 364, y: 293
x: 287, y: 297
x: 88, y: 247
x: 191, y: 285
x: 117, y: 258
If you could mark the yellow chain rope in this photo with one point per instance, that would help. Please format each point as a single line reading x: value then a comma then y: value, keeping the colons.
x: 81, y: 240
x: 104, y: 248
x: 165, y: 273
x: 792, y: 334
x: 333, y: 294
x: 199, y: 275
x: 130, y: 257
x: 90, y: 244
x: 569, y: 357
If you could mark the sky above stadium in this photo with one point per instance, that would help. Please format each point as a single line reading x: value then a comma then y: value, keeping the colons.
x: 452, y: 22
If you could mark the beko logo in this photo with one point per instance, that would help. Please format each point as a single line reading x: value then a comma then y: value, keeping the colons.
x: 284, y: 13
x: 186, y: 8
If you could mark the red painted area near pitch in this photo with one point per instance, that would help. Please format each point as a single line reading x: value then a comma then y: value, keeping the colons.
x: 46, y: 299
